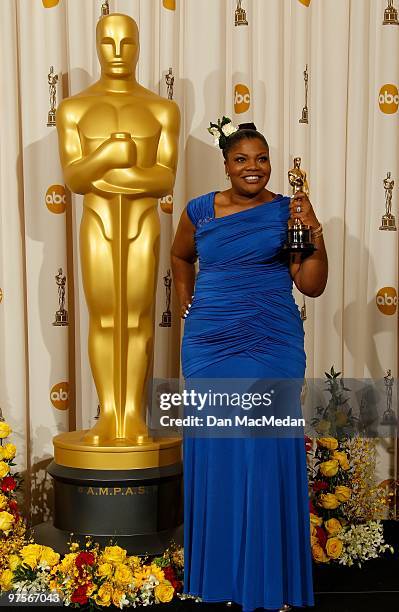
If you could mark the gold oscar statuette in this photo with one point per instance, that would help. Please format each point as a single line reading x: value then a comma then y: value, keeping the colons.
x: 105, y: 8
x: 299, y: 236
x: 388, y: 222
x: 305, y: 110
x: 240, y: 15
x: 52, y: 85
x: 390, y: 14
x: 118, y: 146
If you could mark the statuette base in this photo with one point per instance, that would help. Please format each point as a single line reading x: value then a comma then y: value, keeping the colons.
x: 388, y: 223
x: 51, y: 118
x: 390, y: 16
x: 61, y: 318
x: 166, y: 319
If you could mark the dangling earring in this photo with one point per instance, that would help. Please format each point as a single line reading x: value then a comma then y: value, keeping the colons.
x: 227, y: 177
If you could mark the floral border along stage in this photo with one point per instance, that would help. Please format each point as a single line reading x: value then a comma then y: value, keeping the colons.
x: 85, y: 576
x: 95, y: 577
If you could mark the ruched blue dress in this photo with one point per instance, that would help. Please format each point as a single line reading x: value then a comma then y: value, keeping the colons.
x: 246, y: 529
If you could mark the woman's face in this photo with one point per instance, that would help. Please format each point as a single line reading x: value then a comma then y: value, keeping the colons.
x: 249, y: 167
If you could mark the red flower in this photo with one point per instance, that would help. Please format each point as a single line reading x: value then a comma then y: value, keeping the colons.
x: 320, y: 485
x: 80, y: 594
x: 311, y: 507
x: 13, y: 507
x: 84, y: 558
x: 321, y: 536
x: 308, y: 443
x: 8, y: 484
x: 170, y: 575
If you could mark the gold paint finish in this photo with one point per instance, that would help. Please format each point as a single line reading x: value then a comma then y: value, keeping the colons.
x: 71, y: 450
x: 118, y: 146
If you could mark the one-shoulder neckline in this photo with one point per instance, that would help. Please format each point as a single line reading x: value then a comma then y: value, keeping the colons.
x: 212, y: 195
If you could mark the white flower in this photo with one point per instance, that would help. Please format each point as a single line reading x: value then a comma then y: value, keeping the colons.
x: 215, y: 132
x: 229, y: 129
x: 362, y: 542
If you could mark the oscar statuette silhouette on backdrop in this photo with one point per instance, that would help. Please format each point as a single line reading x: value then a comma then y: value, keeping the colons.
x: 118, y: 147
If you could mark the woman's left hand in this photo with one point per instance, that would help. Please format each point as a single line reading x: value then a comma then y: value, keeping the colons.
x: 306, y: 213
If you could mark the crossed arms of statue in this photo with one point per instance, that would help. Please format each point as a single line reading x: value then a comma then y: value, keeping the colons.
x: 111, y: 168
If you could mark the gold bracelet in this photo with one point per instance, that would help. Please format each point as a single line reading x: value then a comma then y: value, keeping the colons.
x: 317, y: 232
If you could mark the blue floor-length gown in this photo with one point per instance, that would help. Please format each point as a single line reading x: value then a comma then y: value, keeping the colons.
x: 246, y: 525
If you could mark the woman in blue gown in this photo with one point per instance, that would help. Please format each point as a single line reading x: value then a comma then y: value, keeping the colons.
x: 246, y: 517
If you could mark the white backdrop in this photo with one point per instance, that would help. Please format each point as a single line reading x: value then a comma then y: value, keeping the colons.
x: 249, y: 72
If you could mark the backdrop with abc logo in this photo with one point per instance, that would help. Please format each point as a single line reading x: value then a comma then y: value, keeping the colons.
x: 320, y: 80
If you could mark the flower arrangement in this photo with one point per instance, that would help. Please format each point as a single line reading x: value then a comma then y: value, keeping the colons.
x: 12, y: 526
x: 334, y: 468
x: 86, y: 575
x: 111, y: 577
x: 93, y: 576
x: 221, y: 131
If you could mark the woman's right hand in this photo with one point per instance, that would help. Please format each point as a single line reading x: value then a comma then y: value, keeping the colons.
x: 185, y: 307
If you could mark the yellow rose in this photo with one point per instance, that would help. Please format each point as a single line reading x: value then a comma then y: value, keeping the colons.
x: 9, y: 451
x: 31, y: 554
x: 143, y: 573
x: 134, y: 562
x: 5, y: 429
x: 67, y: 565
x: 49, y: 557
x: 333, y: 526
x: 164, y: 592
x: 3, y: 501
x: 105, y: 569
x: 6, y: 579
x: 315, y: 520
x: 4, y: 469
x: 319, y: 554
x: 104, y: 594
x: 334, y: 547
x: 329, y: 468
x: 6, y: 521
x: 114, y: 554
x: 323, y: 426
x: 330, y: 443
x: 328, y: 501
x: 341, y: 418
x: 342, y: 493
x: 117, y: 595
x: 313, y: 530
x: 14, y: 561
x: 123, y: 575
x: 342, y: 458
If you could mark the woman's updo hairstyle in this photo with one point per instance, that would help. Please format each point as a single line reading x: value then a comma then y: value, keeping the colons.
x: 245, y: 130
x: 227, y: 135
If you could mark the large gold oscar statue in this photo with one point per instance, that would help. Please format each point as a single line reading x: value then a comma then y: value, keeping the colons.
x: 118, y: 146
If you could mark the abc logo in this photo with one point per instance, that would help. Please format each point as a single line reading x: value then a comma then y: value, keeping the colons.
x: 387, y: 300
x: 170, y: 4
x: 167, y: 204
x: 389, y: 99
x: 59, y: 396
x: 50, y: 3
x: 56, y: 199
x: 305, y: 2
x: 242, y: 98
